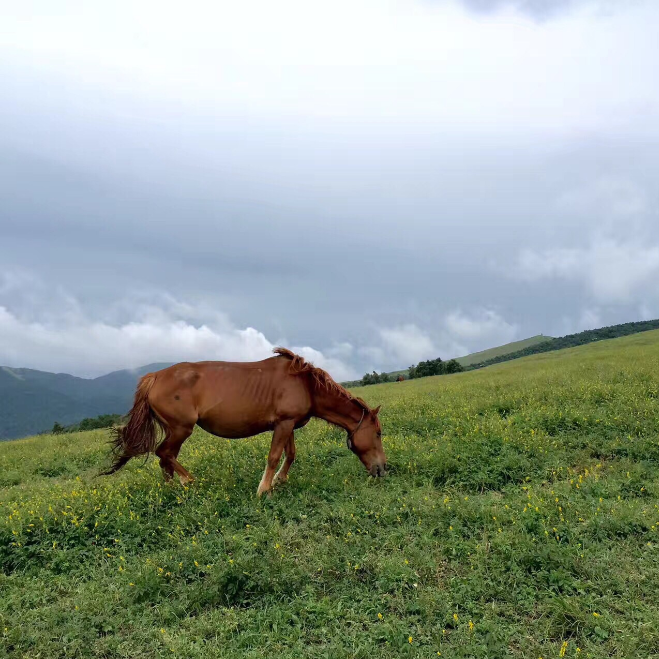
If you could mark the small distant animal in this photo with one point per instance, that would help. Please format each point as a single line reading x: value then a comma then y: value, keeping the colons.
x: 242, y: 399
x: 400, y: 378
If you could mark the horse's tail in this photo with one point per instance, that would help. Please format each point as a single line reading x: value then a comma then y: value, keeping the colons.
x: 140, y: 435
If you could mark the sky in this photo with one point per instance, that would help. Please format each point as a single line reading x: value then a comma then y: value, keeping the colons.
x: 368, y: 182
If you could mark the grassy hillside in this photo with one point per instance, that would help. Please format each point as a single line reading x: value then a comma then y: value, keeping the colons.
x: 573, y: 340
x: 521, y: 519
x: 484, y: 355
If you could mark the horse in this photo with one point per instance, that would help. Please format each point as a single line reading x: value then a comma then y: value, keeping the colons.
x: 242, y: 399
x: 400, y: 378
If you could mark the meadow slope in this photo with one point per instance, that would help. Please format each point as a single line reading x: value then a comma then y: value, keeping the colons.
x: 520, y: 519
x: 490, y: 353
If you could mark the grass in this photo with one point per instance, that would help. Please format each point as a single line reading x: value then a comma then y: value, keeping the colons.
x: 520, y: 519
x: 484, y: 355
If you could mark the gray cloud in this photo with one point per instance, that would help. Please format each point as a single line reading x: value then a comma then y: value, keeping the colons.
x: 370, y: 200
x: 44, y: 326
x: 538, y: 9
x: 612, y: 272
x: 64, y: 337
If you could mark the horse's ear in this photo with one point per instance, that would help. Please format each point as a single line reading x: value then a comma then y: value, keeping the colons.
x: 377, y: 410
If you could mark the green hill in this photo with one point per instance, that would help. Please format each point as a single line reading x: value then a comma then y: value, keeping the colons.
x: 476, y: 357
x: 534, y: 345
x: 484, y: 355
x: 573, y: 340
x: 519, y: 519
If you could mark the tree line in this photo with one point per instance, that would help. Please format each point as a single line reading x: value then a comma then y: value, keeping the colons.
x: 420, y: 370
x: 101, y: 421
x: 374, y: 378
x: 434, y: 367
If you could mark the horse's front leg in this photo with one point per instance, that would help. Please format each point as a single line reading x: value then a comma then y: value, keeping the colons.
x: 283, y: 430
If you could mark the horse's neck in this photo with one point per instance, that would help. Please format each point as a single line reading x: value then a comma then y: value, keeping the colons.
x: 337, y: 409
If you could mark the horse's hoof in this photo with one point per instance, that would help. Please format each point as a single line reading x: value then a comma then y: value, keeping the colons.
x: 186, y: 480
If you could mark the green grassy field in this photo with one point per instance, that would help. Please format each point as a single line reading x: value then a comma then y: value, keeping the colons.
x: 520, y: 519
x: 484, y: 355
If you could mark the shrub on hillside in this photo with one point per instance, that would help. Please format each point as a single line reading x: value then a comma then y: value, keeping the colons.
x: 375, y: 378
x: 101, y: 421
x: 435, y: 367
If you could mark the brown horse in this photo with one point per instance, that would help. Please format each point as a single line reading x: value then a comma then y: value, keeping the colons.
x: 242, y: 399
x: 400, y: 378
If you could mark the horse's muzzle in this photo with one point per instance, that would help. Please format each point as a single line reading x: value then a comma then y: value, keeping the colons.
x: 377, y: 470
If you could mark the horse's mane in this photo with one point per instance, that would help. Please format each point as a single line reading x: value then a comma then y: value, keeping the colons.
x: 321, y: 378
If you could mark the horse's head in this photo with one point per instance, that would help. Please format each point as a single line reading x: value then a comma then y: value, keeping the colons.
x: 366, y: 443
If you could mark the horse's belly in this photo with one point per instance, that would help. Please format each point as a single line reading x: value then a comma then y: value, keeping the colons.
x: 234, y: 427
x: 248, y: 403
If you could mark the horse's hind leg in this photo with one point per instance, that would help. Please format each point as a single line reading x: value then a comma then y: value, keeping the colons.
x: 282, y: 475
x: 168, y: 451
x: 165, y: 463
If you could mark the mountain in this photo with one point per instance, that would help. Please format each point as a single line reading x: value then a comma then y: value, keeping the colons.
x: 32, y: 401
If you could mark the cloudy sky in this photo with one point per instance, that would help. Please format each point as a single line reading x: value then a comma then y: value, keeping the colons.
x: 371, y: 182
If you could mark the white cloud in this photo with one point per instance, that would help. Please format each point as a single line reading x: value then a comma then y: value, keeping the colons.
x: 375, y: 358
x: 407, y: 344
x: 338, y: 369
x: 365, y: 58
x: 459, y: 334
x: 543, y: 9
x: 483, y: 325
x: 607, y: 196
x: 160, y: 331
x: 343, y: 350
x: 589, y: 318
x: 53, y: 332
x: 612, y: 271
x: 648, y: 311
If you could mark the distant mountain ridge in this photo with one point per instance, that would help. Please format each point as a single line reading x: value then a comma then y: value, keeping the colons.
x: 32, y: 401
